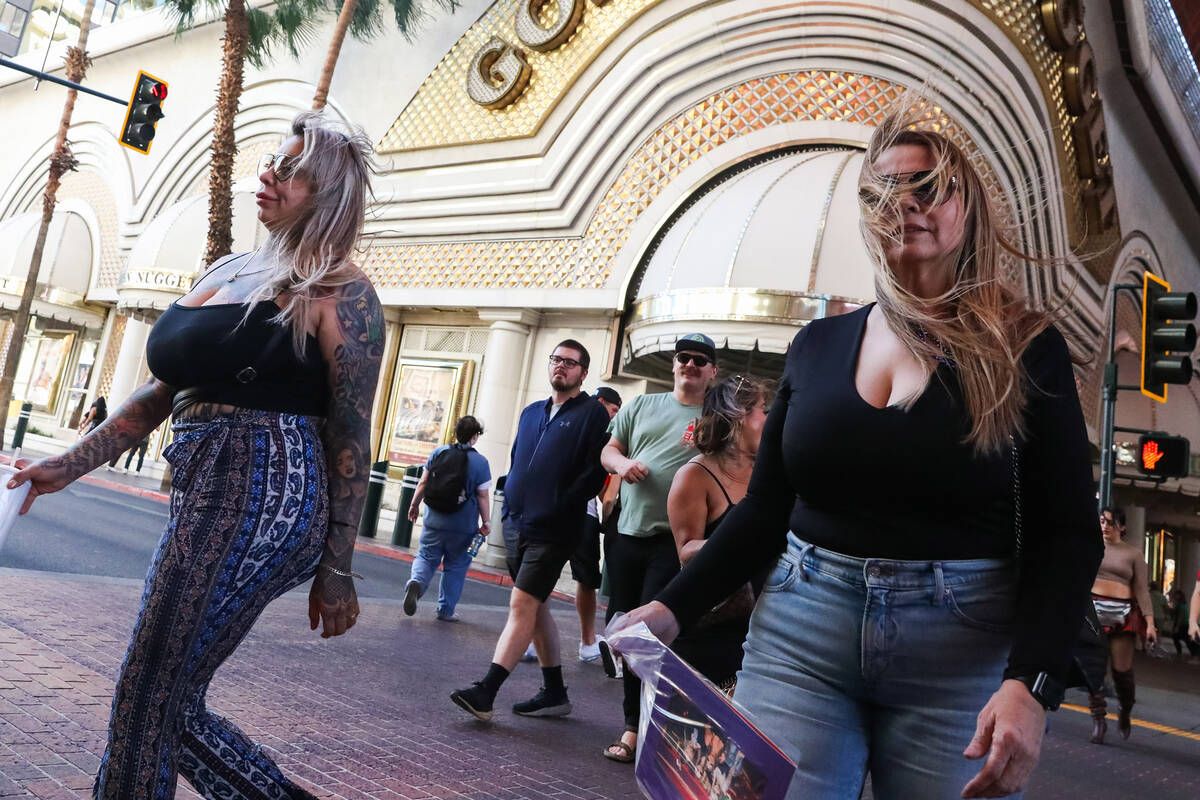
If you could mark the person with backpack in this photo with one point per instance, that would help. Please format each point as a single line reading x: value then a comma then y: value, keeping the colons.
x: 454, y: 487
x: 554, y: 471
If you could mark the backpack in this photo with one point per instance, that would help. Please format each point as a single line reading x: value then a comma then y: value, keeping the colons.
x: 446, y: 480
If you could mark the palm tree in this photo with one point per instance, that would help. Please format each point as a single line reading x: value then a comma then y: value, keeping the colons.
x: 61, y: 162
x: 364, y: 19
x: 250, y: 35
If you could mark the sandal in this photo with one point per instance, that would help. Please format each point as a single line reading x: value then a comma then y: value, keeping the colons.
x: 625, y: 756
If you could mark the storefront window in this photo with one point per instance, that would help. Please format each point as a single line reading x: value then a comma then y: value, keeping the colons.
x: 46, y: 23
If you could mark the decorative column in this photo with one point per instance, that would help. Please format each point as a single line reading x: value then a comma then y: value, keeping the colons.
x: 499, y: 400
x: 130, y: 362
x: 500, y: 387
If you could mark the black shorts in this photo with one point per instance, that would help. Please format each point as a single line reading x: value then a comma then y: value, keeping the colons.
x: 585, y: 561
x: 539, y: 565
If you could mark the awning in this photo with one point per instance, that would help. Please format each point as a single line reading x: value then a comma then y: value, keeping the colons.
x: 751, y: 259
x: 65, y: 272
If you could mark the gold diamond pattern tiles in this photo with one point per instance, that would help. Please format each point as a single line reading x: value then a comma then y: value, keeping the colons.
x: 442, y: 113
x: 90, y: 187
x: 584, y: 262
x: 111, y: 353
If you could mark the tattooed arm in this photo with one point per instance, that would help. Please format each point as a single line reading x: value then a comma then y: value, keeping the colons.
x: 351, y: 338
x: 137, y: 417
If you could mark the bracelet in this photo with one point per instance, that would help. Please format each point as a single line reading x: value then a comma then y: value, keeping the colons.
x: 337, y: 571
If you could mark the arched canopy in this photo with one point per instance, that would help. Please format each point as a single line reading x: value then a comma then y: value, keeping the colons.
x: 67, y: 262
x: 751, y: 256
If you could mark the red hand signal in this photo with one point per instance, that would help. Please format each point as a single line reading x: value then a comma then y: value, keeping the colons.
x: 1150, y: 455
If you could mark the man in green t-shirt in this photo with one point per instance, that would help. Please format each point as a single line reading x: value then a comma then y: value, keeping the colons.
x: 651, y: 439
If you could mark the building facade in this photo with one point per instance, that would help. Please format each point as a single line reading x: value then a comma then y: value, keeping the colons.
x: 624, y: 172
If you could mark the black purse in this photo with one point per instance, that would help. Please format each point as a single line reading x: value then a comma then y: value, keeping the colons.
x: 1089, y: 656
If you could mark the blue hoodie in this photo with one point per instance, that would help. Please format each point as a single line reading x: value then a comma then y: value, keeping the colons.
x: 556, y: 468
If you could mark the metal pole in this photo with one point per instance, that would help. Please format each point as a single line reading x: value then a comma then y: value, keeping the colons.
x: 1108, y: 401
x: 45, y: 76
x: 370, y: 514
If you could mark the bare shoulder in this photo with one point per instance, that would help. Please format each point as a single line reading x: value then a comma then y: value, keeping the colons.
x: 352, y: 311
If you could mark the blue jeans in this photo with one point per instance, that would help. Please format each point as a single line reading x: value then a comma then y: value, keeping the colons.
x: 855, y: 665
x: 448, y: 548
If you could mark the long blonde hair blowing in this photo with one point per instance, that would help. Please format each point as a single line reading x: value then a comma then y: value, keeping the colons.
x: 981, y: 323
x: 309, y: 255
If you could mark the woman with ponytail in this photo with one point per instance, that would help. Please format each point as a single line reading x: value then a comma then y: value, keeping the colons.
x: 926, y: 474
x: 268, y: 367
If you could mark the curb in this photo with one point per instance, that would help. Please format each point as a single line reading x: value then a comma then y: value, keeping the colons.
x: 496, y: 578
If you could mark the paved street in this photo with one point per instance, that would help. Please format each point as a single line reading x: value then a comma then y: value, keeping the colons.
x: 366, y: 715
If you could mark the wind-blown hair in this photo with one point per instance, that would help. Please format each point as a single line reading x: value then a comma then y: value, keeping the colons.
x: 981, y: 323
x: 726, y: 406
x: 309, y: 254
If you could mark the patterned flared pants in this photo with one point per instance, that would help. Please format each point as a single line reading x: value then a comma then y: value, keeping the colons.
x: 249, y: 511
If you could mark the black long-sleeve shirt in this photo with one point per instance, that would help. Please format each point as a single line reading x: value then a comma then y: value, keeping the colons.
x: 888, y: 483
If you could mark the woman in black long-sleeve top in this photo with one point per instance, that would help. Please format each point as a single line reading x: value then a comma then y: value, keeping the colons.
x: 925, y: 472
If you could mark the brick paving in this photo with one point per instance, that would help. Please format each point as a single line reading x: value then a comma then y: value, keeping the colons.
x: 363, y: 717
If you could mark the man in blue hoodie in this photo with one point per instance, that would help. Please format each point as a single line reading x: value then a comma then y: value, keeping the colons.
x: 555, y: 470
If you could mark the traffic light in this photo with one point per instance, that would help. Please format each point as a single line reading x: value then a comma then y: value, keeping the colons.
x: 143, y: 112
x: 1167, y: 338
x: 1163, y: 455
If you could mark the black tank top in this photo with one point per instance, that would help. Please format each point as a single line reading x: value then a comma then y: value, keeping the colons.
x: 729, y: 504
x: 251, y: 365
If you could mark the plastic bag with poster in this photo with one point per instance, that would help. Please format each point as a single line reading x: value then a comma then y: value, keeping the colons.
x: 694, y: 743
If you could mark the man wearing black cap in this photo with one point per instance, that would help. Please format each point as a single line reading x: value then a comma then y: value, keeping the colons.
x: 585, y: 563
x: 651, y: 439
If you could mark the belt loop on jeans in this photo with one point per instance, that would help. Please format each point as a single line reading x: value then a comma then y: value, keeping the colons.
x: 804, y: 551
x: 939, y: 584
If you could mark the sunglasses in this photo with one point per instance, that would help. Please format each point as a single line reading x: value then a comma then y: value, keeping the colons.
x: 693, y: 358
x: 922, y: 185
x: 282, y: 164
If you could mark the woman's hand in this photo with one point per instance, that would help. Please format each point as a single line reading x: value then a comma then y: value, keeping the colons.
x: 414, y: 511
x: 333, y: 602
x: 45, y: 477
x: 1151, y: 631
x: 1011, y: 726
x: 658, y: 618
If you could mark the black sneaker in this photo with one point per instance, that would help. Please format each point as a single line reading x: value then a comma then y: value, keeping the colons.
x: 545, y: 704
x: 411, y: 593
x: 476, y: 700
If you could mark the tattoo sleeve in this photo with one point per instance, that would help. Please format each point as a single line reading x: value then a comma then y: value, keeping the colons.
x: 137, y: 417
x: 354, y: 351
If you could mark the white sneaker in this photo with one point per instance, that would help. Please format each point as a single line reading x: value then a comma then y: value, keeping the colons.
x: 589, y: 652
x: 530, y: 653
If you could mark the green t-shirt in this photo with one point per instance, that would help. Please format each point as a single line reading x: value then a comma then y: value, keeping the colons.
x: 656, y: 430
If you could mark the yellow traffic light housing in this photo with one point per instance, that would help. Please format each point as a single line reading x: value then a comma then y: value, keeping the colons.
x: 143, y: 112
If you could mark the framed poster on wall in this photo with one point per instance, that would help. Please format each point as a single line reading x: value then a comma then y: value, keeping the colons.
x: 428, y: 397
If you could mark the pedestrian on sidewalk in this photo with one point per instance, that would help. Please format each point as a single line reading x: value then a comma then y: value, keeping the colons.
x: 923, y: 490
x: 1177, y: 623
x: 652, y: 438
x: 97, y: 412
x: 705, y: 490
x: 455, y: 487
x: 1121, y: 596
x: 268, y: 366
x: 554, y: 471
x: 140, y: 448
x: 585, y: 563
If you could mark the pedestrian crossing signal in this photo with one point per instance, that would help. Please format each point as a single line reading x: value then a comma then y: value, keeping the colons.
x: 143, y: 112
x: 1163, y: 455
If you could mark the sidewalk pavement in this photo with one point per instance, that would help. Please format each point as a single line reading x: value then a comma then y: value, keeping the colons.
x: 365, y: 716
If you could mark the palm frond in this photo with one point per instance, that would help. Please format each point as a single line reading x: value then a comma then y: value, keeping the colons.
x: 366, y: 22
x: 296, y: 22
x: 408, y: 13
x: 263, y: 35
x: 183, y: 12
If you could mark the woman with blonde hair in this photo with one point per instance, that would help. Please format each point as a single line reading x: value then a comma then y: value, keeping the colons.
x: 925, y: 471
x: 268, y: 367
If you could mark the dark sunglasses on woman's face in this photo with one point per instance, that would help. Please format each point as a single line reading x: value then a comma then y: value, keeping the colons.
x: 282, y: 164
x: 922, y: 185
x: 692, y: 358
